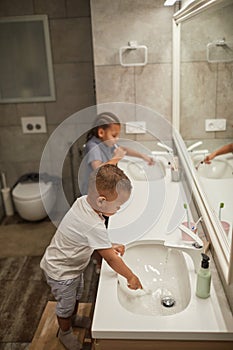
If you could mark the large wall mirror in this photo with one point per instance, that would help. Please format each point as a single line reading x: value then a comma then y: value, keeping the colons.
x: 203, y: 89
x: 25, y: 60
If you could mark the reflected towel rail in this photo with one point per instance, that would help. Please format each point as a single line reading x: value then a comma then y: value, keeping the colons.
x: 219, y: 51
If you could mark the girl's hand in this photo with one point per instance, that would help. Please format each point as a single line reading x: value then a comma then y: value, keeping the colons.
x: 134, y: 283
x: 119, y: 153
x: 119, y: 248
x: 208, y: 158
x: 148, y: 159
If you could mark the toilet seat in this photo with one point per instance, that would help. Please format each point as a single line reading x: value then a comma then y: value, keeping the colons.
x: 30, y: 191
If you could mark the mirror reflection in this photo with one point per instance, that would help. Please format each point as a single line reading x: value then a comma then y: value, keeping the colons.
x: 206, y: 104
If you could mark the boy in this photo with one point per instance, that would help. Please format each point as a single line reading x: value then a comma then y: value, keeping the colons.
x: 82, y: 231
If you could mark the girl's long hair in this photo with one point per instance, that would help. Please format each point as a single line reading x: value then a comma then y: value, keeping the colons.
x: 102, y: 120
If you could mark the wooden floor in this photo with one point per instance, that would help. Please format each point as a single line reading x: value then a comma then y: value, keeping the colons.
x: 45, y: 336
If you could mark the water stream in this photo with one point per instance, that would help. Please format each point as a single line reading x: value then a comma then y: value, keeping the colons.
x: 161, y: 278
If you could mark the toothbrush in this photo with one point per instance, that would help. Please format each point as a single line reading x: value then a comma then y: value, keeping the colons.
x: 198, y: 164
x: 173, y: 165
x: 4, y: 185
x: 187, y: 213
x: 220, y: 207
x: 196, y: 223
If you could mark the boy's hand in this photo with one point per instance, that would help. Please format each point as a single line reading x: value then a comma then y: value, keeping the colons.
x: 119, y: 249
x: 134, y: 283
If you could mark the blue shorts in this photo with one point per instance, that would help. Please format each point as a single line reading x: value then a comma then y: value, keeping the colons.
x: 66, y: 293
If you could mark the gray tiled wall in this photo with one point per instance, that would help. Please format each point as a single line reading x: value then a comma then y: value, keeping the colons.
x: 71, y: 44
x: 206, y: 88
x: 114, y: 24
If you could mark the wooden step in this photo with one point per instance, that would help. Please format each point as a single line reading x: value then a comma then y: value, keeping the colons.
x: 45, y: 336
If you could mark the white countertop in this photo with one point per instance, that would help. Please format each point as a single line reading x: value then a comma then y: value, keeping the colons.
x: 201, y: 319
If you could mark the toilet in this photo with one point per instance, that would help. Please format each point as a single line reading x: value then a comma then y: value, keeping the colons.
x: 27, y: 198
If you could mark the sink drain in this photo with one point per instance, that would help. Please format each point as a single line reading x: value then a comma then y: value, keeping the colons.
x: 168, y: 301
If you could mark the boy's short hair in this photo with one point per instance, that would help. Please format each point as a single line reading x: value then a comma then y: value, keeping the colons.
x: 108, y: 178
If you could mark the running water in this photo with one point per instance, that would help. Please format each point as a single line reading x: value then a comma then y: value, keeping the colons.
x: 164, y: 290
x: 161, y: 277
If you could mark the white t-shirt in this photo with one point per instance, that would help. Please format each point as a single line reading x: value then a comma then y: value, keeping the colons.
x: 80, y: 232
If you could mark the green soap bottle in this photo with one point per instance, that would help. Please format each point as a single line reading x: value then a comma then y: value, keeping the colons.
x: 203, y: 278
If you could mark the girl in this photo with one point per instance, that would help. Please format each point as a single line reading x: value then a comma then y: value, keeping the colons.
x: 101, y: 147
x: 222, y: 150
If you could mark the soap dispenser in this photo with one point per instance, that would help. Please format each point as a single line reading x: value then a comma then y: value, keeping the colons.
x: 203, y: 278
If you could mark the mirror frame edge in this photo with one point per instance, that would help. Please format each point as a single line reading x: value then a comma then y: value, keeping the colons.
x: 224, y: 254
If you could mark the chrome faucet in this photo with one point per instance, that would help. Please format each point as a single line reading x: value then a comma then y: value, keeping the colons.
x: 162, y: 145
x: 203, y: 152
x: 168, y: 154
x: 194, y: 145
x: 194, y: 249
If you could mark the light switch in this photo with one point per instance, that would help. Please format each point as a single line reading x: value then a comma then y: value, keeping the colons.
x: 135, y: 127
x: 215, y: 124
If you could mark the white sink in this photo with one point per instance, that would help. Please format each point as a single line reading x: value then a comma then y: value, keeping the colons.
x: 162, y: 271
x: 139, y: 170
x: 218, y: 169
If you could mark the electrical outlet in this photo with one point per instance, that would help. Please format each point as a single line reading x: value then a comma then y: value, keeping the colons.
x: 33, y: 125
x: 215, y: 124
x: 135, y: 127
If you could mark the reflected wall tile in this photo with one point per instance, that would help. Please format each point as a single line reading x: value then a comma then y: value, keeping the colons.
x: 193, y: 127
x: 71, y: 40
x: 195, y: 37
x: 153, y: 88
x: 203, y: 29
x: 198, y: 98
x: 116, y: 23
x: 224, y: 107
x: 74, y: 84
x: 54, y: 8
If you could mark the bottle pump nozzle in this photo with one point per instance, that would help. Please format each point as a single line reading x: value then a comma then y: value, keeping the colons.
x: 203, y: 278
x: 205, y: 261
